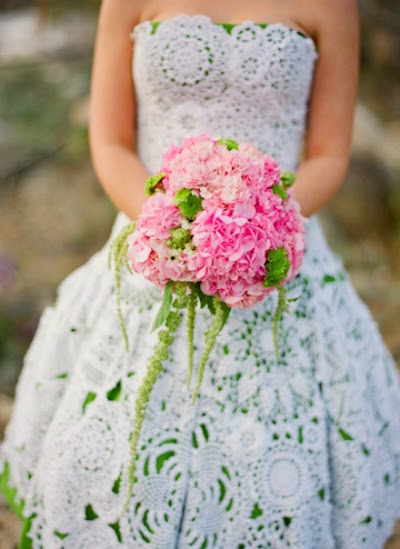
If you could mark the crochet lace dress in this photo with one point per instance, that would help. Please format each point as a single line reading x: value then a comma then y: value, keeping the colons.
x: 303, y: 452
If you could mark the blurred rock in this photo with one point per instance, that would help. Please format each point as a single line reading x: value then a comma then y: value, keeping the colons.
x: 382, y: 47
x: 24, y: 35
x: 372, y: 137
x: 5, y: 410
x: 53, y: 220
x: 394, y: 540
x: 7, y: 272
x: 10, y: 527
x: 79, y: 113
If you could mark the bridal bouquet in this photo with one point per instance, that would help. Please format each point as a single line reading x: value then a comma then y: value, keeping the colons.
x: 220, y: 228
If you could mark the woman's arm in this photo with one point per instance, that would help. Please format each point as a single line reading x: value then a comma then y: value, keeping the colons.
x: 112, y: 128
x: 332, y: 102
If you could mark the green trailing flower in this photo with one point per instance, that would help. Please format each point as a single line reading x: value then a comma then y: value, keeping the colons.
x: 152, y: 183
x: 277, y: 267
x: 191, y: 316
x: 155, y: 367
x: 189, y: 204
x: 210, y: 339
x: 118, y: 254
x: 281, y: 306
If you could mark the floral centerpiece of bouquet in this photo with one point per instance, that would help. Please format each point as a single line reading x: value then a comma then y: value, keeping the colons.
x: 220, y: 228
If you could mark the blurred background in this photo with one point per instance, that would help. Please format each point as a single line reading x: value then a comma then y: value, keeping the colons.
x: 54, y: 215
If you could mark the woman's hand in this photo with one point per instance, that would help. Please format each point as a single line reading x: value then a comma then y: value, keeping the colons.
x: 112, y: 125
x: 332, y: 102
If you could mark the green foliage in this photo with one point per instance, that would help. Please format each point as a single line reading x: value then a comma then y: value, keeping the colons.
x: 205, y: 300
x: 229, y: 143
x: 118, y: 255
x: 277, y: 266
x: 152, y: 183
x: 188, y: 203
x: 280, y: 191
x: 287, y: 179
x: 10, y: 494
x: 166, y: 338
x: 179, y: 238
x: 165, y: 306
x: 191, y: 317
x: 282, y: 306
x: 210, y: 339
x: 181, y: 196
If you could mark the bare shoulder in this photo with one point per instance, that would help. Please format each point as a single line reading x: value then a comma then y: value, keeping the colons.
x: 125, y: 13
x: 334, y: 17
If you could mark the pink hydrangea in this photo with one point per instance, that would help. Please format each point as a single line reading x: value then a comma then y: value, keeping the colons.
x: 241, y: 220
x: 148, y: 252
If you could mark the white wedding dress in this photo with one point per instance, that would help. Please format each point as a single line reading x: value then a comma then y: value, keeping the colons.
x: 303, y: 452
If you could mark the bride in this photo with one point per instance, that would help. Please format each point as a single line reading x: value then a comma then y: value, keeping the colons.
x: 300, y: 452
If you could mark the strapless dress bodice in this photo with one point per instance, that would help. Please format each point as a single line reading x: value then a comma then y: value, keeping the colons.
x: 249, y: 82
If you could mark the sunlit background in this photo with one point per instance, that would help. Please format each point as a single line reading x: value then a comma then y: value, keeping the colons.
x: 54, y: 215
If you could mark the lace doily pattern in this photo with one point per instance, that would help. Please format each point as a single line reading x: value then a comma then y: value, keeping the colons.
x: 300, y: 453
x: 249, y: 83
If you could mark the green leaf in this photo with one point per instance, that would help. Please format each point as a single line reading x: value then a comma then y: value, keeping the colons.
x: 165, y: 306
x: 287, y: 179
x: 280, y: 191
x: 291, y: 299
x: 229, y: 144
x: 205, y: 300
x: 226, y: 313
x: 202, y: 297
x: 211, y: 304
x: 152, y: 182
